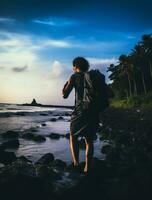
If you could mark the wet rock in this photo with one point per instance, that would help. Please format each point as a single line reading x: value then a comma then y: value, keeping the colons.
x: 47, y: 173
x: 2, y: 165
x: 19, y: 179
x: 2, y: 148
x: 67, y: 114
x: 106, y: 149
x: 31, y: 136
x: 33, y: 130
x: 55, y: 136
x: 46, y: 159
x: 11, y: 144
x: 24, y: 159
x: 60, y: 164
x: 7, y: 157
x: 75, y: 169
x: 28, y: 136
x: 10, y: 134
x: 43, y: 114
x: 60, y: 118
x: 39, y: 138
x: 53, y: 119
x: 43, y: 124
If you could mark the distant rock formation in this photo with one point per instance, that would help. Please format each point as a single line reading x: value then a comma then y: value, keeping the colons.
x: 34, y: 103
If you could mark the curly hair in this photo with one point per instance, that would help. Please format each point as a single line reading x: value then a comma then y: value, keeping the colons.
x: 81, y: 63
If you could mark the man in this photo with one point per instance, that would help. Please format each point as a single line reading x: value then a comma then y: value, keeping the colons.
x: 83, y: 123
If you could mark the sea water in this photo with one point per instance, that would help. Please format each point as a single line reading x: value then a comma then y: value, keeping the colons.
x: 26, y: 118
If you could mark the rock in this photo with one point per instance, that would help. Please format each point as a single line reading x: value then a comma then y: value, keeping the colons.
x: 55, y: 136
x: 2, y: 165
x: 28, y: 136
x: 60, y: 118
x: 47, y: 173
x: 31, y: 136
x: 46, y: 159
x: 43, y: 124
x: 24, y: 159
x: 57, y: 163
x: 33, y: 130
x: 39, y: 138
x: 2, y: 148
x: 78, y: 169
x: 67, y: 114
x: 106, y: 149
x: 53, y: 119
x: 43, y: 114
x: 82, y: 143
x: 10, y: 134
x: 7, y: 157
x: 11, y: 144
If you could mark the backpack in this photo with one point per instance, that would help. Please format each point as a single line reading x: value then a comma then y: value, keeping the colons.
x: 95, y: 96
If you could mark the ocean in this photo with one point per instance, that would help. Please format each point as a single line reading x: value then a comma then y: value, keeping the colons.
x: 25, y: 119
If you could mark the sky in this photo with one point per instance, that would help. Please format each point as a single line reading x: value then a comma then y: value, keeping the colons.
x: 39, y: 39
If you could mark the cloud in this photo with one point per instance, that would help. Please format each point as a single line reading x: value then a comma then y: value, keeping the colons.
x: 56, y: 43
x: 20, y: 69
x: 101, y: 61
x: 56, y: 69
x: 18, y: 49
x: 56, y: 21
x: 8, y: 20
x: 102, y: 64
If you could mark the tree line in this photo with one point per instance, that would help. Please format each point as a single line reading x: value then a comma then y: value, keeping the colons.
x: 132, y: 75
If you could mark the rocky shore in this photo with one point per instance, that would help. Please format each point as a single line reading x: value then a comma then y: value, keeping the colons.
x: 124, y: 174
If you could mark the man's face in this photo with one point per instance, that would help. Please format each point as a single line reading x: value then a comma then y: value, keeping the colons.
x: 74, y: 69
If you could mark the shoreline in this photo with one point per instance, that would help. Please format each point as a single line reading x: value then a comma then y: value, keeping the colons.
x: 41, y: 105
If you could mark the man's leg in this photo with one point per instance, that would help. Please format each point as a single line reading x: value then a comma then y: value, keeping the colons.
x: 74, y: 145
x: 89, y: 153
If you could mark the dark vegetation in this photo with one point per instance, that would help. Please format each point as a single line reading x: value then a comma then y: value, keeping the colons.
x: 132, y: 76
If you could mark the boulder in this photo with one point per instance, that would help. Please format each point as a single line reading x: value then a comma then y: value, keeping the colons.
x: 106, y: 149
x: 55, y: 136
x: 67, y: 114
x: 47, y: 173
x: 28, y: 136
x: 11, y: 144
x: 53, y: 119
x: 60, y: 164
x: 39, y: 138
x: 7, y: 157
x: 24, y: 159
x: 31, y: 136
x: 43, y: 114
x: 46, y: 159
x: 43, y: 124
x: 10, y: 134
x: 60, y: 118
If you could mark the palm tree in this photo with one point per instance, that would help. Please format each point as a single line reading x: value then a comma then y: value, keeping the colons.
x: 126, y: 70
x: 139, y: 57
x: 147, y: 44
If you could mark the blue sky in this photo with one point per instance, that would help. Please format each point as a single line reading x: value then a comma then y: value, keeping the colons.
x: 39, y: 39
